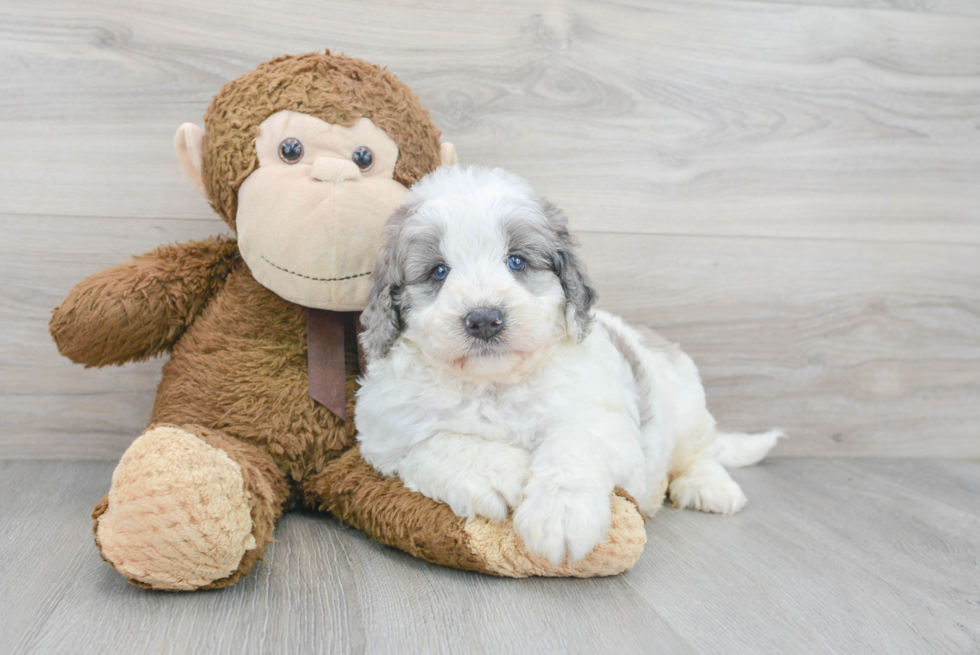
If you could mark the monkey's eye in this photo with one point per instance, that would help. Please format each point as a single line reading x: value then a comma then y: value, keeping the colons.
x: 440, y: 272
x: 363, y: 157
x: 515, y: 263
x: 290, y: 150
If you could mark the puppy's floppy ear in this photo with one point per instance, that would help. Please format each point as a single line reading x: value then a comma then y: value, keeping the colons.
x: 381, y: 319
x: 580, y: 295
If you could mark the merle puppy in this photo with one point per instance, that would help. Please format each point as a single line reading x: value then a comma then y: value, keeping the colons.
x: 492, y: 384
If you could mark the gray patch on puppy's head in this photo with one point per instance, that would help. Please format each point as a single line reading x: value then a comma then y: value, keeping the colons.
x: 402, y: 277
x: 419, y: 247
x: 580, y: 295
x: 529, y: 236
x: 381, y: 318
x: 419, y: 252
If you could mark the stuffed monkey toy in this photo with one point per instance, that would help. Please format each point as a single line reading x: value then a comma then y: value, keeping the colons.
x: 304, y: 157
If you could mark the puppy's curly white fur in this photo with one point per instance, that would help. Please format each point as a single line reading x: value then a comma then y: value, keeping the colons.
x: 493, y: 385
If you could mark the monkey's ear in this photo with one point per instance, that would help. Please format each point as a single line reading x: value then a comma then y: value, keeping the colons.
x: 189, y: 145
x: 447, y: 152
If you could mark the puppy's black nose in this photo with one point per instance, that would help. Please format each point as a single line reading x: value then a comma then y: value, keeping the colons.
x: 484, y: 322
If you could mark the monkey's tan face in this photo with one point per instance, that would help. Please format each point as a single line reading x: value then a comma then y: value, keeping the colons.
x: 310, y: 217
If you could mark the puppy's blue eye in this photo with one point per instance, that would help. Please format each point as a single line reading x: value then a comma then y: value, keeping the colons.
x: 440, y: 272
x: 515, y: 263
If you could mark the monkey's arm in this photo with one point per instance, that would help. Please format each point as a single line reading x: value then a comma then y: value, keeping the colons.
x: 137, y: 310
x: 387, y: 511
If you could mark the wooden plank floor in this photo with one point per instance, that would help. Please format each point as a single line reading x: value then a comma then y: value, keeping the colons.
x: 855, y: 556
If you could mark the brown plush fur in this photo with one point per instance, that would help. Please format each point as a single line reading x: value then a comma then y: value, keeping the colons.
x: 384, y: 510
x: 238, y: 379
x: 238, y: 375
x: 264, y: 483
x: 241, y: 368
x: 140, y: 309
x: 333, y: 88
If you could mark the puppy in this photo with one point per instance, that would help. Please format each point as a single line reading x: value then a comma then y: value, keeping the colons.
x: 492, y: 385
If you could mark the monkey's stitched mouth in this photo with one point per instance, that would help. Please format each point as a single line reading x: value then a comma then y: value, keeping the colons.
x: 314, y: 279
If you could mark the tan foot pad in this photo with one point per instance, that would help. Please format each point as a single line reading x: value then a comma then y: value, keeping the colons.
x: 178, y: 514
x: 503, y: 553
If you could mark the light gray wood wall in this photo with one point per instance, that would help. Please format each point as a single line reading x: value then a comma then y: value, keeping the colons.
x: 789, y: 189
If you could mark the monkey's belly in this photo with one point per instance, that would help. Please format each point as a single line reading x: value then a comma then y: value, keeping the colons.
x: 241, y: 368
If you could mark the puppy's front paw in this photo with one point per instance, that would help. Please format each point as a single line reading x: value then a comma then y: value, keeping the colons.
x: 494, y: 485
x: 555, y: 522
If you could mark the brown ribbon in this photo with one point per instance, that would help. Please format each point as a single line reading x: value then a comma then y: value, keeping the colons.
x: 327, y: 332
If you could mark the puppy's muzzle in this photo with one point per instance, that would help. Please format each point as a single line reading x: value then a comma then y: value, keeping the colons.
x: 484, y: 323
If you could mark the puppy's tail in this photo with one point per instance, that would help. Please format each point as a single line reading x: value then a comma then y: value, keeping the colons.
x: 737, y: 449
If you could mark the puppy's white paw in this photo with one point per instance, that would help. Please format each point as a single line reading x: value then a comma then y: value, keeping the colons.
x: 507, y: 469
x: 494, y: 485
x: 555, y: 522
x: 707, y: 487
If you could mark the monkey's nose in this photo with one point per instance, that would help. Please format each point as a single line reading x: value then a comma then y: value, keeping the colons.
x: 334, y: 169
x: 484, y: 323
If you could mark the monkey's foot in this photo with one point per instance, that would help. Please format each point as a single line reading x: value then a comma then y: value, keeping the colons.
x: 177, y: 516
x: 503, y: 552
x: 385, y: 510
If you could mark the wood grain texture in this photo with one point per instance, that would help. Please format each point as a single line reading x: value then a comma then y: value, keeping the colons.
x: 949, y: 7
x: 789, y: 189
x: 835, y: 351
x: 860, y: 556
x: 722, y: 118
